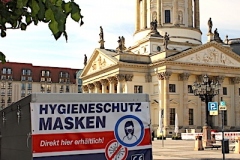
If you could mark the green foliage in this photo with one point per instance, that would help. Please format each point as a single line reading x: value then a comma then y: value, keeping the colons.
x: 18, y: 14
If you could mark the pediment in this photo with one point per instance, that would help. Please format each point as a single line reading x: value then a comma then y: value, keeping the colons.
x: 99, y: 60
x: 212, y: 56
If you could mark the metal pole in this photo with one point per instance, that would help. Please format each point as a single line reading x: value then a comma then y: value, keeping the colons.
x: 223, y: 147
x: 162, y: 140
x: 162, y: 132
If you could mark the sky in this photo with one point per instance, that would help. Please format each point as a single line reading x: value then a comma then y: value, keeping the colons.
x: 37, y: 45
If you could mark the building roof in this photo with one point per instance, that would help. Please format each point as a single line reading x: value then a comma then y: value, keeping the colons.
x: 36, y: 71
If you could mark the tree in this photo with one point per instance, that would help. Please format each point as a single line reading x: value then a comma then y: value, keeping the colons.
x: 18, y: 14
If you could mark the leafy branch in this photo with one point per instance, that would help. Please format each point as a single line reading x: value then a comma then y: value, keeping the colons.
x: 19, y: 14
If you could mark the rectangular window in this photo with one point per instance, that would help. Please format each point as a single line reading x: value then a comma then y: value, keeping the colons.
x: 28, y: 72
x: 172, y: 116
x: 23, y: 86
x: 29, y: 86
x: 190, y: 90
x: 190, y: 113
x: 47, y: 73
x: 67, y: 89
x: 138, y: 89
x: 3, y: 77
x: 167, y: 16
x: 3, y: 85
x: 43, y: 73
x: 9, y: 85
x: 9, y: 92
x: 67, y: 75
x: 49, y: 79
x: 4, y: 70
x: 48, y: 88
x: 9, y: 71
x: 23, y: 72
x: 29, y: 78
x: 23, y: 78
x: 61, y: 89
x: 224, y: 90
x: 23, y: 93
x: 172, y: 88
x: 42, y: 79
x: 225, y: 118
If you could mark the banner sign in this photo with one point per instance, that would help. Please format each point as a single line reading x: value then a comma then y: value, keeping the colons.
x: 91, y: 130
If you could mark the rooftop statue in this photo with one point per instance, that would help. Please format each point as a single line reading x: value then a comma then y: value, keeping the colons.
x: 121, y: 44
x: 166, y: 40
x: 85, y: 60
x: 210, y: 25
x: 101, y: 41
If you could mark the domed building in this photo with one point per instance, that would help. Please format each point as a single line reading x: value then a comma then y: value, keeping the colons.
x: 169, y: 62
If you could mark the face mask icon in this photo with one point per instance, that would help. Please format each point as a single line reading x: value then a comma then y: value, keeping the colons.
x: 129, y: 132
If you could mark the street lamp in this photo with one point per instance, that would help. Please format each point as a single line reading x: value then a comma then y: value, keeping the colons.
x: 206, y: 90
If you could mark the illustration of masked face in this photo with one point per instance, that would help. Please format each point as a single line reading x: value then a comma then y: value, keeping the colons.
x: 129, y: 129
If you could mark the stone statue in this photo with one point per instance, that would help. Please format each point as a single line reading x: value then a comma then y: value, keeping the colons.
x: 216, y: 36
x: 85, y: 60
x: 153, y: 26
x: 210, y: 25
x: 101, y: 41
x: 101, y: 33
x: 226, y: 40
x: 165, y: 40
x: 121, y: 44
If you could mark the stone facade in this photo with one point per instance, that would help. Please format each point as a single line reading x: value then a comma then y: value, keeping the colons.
x: 168, y: 75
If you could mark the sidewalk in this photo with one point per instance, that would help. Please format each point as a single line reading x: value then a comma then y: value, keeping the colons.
x: 184, y: 149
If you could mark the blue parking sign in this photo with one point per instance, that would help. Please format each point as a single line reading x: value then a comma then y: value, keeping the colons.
x: 212, y: 106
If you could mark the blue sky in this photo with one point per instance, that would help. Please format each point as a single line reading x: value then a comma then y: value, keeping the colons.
x: 38, y: 46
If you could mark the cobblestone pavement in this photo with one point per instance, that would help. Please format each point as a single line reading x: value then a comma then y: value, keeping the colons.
x: 184, y: 149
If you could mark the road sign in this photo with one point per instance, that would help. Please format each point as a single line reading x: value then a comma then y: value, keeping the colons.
x: 222, y: 103
x: 222, y: 108
x: 212, y: 106
x: 213, y: 113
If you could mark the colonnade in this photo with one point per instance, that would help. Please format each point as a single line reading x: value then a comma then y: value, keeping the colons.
x: 111, y: 84
x: 164, y: 99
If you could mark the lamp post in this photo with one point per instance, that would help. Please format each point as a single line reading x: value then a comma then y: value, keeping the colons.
x: 206, y: 90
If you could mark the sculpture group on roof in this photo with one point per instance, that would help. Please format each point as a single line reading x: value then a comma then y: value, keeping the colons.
x: 121, y: 44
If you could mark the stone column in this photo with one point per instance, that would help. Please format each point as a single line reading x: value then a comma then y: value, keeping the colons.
x: 120, y: 78
x: 137, y: 23
x: 144, y: 7
x: 128, y: 77
x: 165, y: 76
x: 190, y: 13
x: 112, y: 81
x: 220, y: 80
x: 184, y: 77
x: 236, y: 81
x: 97, y: 86
x: 90, y: 87
x: 104, y: 83
x: 196, y: 14
x: 85, y: 89
x: 159, y: 13
x: 175, y: 12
